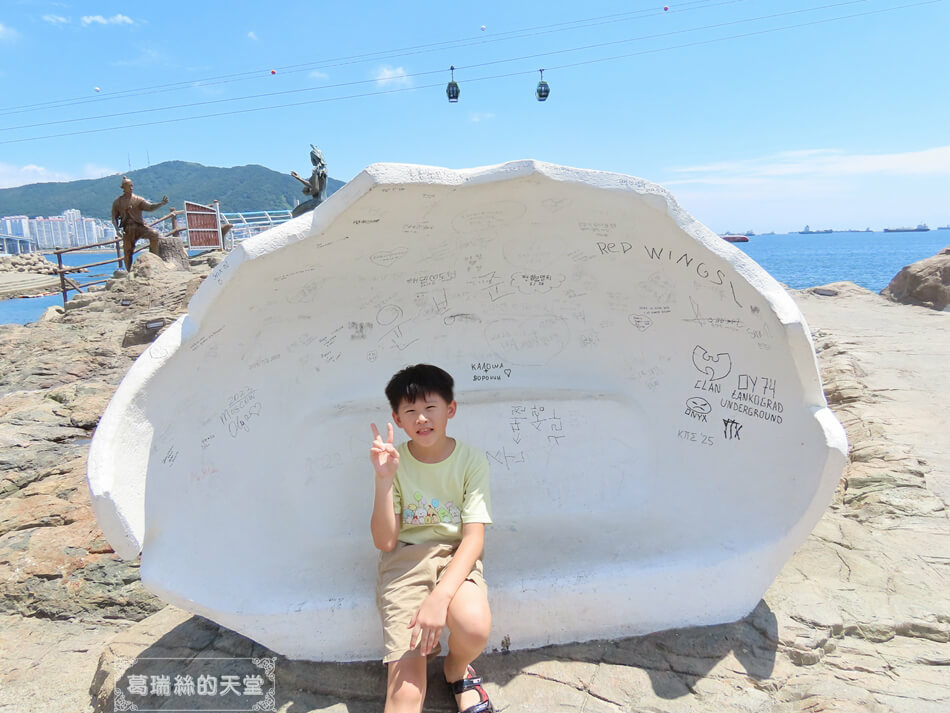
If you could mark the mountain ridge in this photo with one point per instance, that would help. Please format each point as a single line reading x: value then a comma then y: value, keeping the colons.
x: 238, y: 189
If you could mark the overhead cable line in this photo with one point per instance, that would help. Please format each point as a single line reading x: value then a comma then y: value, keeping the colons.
x: 581, y: 48
x: 359, y: 58
x: 696, y: 43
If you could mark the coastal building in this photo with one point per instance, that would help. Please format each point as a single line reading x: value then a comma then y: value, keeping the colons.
x: 69, y: 230
x: 49, y: 233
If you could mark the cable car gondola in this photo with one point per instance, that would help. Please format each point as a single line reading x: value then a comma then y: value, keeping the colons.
x: 543, y: 89
x: 452, y: 89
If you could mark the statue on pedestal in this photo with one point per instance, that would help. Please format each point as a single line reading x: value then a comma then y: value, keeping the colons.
x: 127, y: 219
x: 316, y: 187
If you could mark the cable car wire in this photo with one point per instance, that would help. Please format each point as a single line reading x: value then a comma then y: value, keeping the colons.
x: 484, y: 78
x: 210, y: 102
x: 365, y: 57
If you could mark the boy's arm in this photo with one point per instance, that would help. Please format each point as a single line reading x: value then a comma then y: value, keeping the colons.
x: 385, y: 458
x: 384, y: 524
x: 430, y: 619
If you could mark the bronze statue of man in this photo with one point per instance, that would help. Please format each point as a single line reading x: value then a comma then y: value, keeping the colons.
x: 127, y: 219
x: 316, y: 187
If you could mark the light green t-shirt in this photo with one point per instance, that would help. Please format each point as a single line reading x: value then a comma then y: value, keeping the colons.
x: 433, y: 500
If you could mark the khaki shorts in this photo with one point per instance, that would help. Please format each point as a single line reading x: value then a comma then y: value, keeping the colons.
x: 407, y: 575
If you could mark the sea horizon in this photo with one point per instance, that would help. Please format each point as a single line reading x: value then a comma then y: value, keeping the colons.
x: 798, y: 260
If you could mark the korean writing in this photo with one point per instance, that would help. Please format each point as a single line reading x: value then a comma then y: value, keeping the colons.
x: 542, y: 419
x: 493, y: 284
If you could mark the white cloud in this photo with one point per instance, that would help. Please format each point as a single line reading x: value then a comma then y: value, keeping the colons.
x: 94, y: 170
x: 100, y: 20
x: 821, y: 187
x: 12, y: 175
x: 392, y: 77
x: 56, y: 19
x: 317, y: 74
x: 481, y: 116
x: 815, y: 163
x: 7, y: 33
x: 252, y: 35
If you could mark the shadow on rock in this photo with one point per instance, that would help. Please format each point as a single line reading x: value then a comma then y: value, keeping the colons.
x: 677, y: 659
x: 174, y: 646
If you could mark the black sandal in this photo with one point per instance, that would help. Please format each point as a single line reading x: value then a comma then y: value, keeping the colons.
x: 472, y: 681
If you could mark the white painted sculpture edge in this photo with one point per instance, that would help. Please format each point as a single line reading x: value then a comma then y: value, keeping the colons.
x: 118, y: 490
x: 661, y: 594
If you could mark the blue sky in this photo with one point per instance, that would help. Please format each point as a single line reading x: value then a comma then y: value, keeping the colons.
x: 757, y: 115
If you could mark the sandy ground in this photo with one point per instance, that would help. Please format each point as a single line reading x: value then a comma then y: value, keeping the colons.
x: 16, y: 284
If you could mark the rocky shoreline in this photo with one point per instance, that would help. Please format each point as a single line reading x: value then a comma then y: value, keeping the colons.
x: 859, y: 620
x: 28, y: 275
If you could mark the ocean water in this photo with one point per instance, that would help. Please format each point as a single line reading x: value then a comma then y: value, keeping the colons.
x: 30, y: 309
x: 867, y: 259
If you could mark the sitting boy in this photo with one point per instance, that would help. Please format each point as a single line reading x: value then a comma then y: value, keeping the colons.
x: 429, y: 515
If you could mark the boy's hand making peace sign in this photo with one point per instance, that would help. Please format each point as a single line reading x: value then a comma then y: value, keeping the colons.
x: 384, y: 456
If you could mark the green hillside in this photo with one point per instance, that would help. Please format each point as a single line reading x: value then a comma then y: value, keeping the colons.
x: 242, y: 188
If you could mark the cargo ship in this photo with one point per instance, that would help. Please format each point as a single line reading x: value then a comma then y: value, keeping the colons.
x: 921, y: 228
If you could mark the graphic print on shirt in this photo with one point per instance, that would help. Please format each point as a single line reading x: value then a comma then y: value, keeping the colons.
x: 419, y: 512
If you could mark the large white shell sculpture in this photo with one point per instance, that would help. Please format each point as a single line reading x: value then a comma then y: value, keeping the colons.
x: 647, y: 397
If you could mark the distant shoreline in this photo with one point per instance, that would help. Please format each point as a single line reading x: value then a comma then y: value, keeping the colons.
x: 90, y: 250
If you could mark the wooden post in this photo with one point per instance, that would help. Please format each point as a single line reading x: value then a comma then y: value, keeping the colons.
x: 62, y: 276
x: 217, y: 217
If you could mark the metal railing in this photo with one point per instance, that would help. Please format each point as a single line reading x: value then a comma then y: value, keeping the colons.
x: 243, y: 225
x: 250, y: 223
x: 67, y: 285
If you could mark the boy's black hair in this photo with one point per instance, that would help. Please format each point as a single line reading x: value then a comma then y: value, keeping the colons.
x: 417, y: 382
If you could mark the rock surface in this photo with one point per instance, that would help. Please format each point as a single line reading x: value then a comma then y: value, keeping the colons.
x: 172, y: 251
x: 925, y: 283
x: 859, y: 620
x: 26, y: 284
x: 61, y: 587
x: 28, y: 274
x: 35, y: 263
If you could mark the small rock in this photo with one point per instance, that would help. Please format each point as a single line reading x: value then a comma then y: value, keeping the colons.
x: 52, y: 314
x: 146, y: 265
x: 144, y: 331
x: 211, y: 258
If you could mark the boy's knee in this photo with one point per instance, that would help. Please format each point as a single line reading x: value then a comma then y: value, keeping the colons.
x: 474, y: 625
x: 406, y: 688
x: 480, y: 630
x: 405, y: 697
